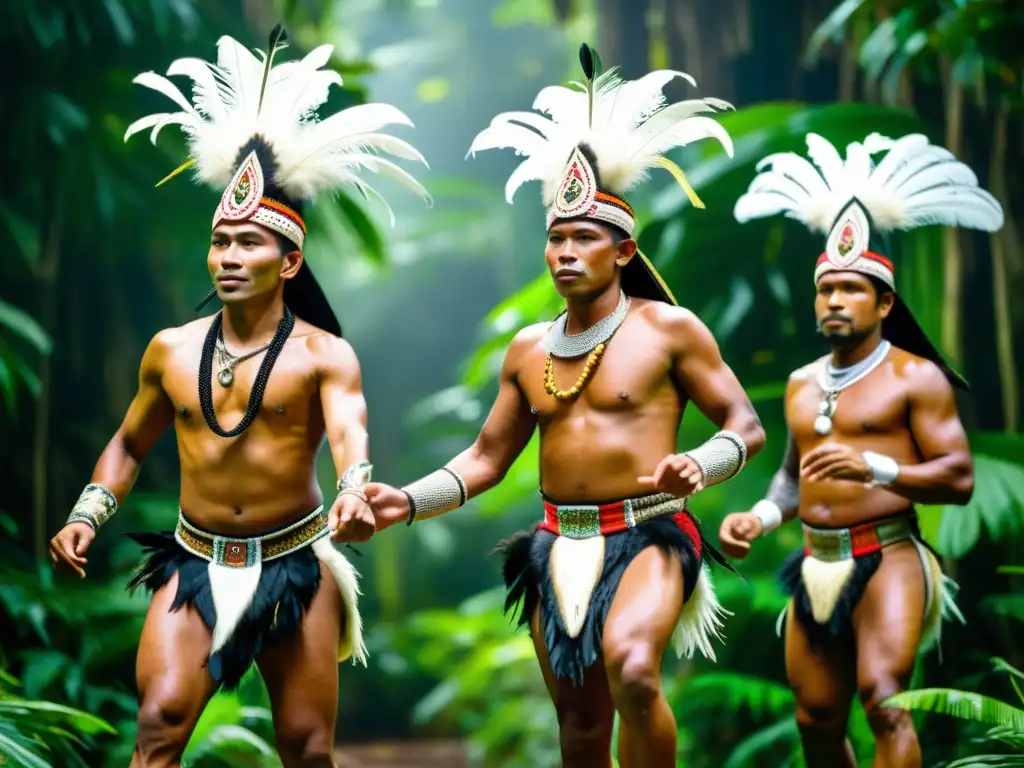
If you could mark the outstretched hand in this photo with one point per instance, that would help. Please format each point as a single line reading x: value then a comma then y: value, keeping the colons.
x: 68, y: 548
x: 390, y: 505
x: 677, y: 474
x: 350, y: 518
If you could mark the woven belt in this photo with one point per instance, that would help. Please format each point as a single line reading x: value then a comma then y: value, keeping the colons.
x: 584, y: 521
x: 834, y: 544
x: 245, y: 553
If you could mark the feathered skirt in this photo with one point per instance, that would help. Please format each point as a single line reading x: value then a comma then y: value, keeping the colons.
x: 827, y: 578
x: 251, y: 593
x: 570, y: 566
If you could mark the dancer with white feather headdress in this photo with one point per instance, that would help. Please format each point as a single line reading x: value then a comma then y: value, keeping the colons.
x: 617, y: 567
x: 873, y: 430
x: 250, y: 572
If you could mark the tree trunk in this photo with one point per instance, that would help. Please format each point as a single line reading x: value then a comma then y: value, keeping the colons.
x: 622, y: 36
x: 953, y: 256
x: 49, y: 264
x: 1009, y: 380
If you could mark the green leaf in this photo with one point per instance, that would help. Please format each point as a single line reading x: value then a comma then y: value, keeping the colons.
x: 831, y: 28
x: 960, y: 704
x: 22, y: 232
x: 746, y: 752
x: 22, y: 325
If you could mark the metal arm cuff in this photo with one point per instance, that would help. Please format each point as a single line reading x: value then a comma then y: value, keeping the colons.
x: 720, y: 458
x: 95, y: 506
x: 884, y: 469
x: 356, y: 476
x: 435, y: 494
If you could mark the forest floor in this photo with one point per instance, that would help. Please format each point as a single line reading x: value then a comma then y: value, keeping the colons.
x: 404, y: 754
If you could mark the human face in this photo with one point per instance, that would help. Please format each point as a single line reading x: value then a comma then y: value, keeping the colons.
x: 849, y: 308
x: 245, y: 260
x: 584, y: 257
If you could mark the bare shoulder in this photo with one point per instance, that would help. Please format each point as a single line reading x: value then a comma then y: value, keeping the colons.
x: 922, y: 377
x: 807, y: 373
x: 526, y: 339
x: 169, y: 340
x: 681, y: 328
x: 330, y: 354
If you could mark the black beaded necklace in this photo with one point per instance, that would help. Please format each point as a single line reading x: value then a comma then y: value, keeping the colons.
x: 259, y: 386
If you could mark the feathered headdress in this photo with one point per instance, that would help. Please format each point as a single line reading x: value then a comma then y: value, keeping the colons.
x: 599, y: 140
x: 254, y: 135
x: 245, y: 111
x: 855, y: 203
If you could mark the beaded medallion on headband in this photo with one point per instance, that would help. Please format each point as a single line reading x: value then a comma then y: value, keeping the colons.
x: 855, y: 202
x: 596, y: 141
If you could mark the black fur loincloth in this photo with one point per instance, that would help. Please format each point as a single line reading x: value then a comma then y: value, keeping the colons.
x: 840, y: 623
x: 286, y: 588
x: 528, y: 580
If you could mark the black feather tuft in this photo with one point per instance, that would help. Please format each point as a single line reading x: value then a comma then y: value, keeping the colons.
x: 587, y: 61
x: 277, y: 41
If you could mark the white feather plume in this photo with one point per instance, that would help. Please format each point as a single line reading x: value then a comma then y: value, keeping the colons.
x: 631, y: 130
x: 313, y: 155
x: 915, y: 184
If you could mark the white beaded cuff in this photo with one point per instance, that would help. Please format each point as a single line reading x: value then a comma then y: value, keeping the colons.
x: 435, y: 494
x: 720, y: 458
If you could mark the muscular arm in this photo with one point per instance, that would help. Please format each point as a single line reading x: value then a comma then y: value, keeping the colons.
x: 710, y: 383
x: 151, y: 412
x: 946, y: 472
x: 342, y: 401
x: 505, y: 432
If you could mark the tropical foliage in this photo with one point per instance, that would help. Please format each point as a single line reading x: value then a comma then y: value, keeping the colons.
x: 98, y: 260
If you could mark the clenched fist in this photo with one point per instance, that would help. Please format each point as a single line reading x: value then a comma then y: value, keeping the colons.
x: 737, y: 531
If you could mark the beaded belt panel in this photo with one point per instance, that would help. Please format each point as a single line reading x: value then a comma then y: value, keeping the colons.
x: 834, y: 544
x: 584, y: 521
x: 246, y: 552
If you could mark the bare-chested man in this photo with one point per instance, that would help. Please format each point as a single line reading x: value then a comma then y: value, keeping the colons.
x: 250, y: 573
x: 873, y: 429
x: 616, y: 568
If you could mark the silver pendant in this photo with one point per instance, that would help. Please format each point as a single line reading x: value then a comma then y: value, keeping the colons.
x: 823, y: 424
x: 226, y: 377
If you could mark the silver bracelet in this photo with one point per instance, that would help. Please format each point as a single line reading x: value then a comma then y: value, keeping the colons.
x: 884, y: 469
x: 437, y: 493
x: 95, y: 506
x: 720, y: 458
x: 356, y: 476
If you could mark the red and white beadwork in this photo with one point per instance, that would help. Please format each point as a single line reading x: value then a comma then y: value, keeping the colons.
x: 578, y: 197
x: 242, y: 196
x: 847, y: 247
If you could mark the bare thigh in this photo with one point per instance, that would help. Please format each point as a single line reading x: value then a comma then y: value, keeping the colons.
x: 888, y: 624
x: 170, y: 670
x: 301, y: 674
x: 823, y: 679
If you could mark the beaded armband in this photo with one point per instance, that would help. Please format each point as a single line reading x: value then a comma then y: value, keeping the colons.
x: 720, y: 458
x: 95, y: 506
x: 435, y: 494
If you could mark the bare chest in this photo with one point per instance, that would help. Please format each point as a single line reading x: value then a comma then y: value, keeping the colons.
x: 874, y: 406
x: 631, y: 376
x: 289, y: 397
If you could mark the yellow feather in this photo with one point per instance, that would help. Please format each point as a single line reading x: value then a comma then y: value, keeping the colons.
x: 677, y: 172
x: 184, y: 166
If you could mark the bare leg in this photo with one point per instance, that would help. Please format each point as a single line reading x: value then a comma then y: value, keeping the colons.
x: 824, y: 683
x: 640, y: 623
x: 302, y: 679
x: 174, y: 685
x: 586, y: 716
x: 887, y: 622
